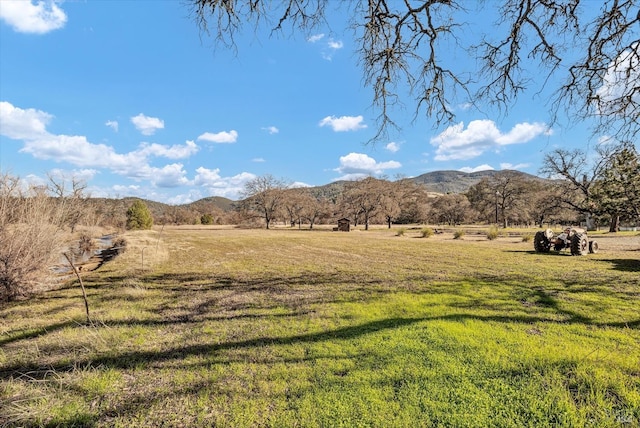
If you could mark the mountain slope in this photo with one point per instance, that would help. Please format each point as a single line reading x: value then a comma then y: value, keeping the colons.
x: 458, y: 181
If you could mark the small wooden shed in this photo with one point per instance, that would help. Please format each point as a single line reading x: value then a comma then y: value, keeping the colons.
x: 344, y: 225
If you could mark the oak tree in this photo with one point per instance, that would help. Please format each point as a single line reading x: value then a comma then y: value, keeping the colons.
x: 592, y: 49
x: 263, y: 196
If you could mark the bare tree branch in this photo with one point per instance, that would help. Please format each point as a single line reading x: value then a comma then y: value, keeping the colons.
x: 404, y: 46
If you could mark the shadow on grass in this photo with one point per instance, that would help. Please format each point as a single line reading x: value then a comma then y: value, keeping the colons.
x: 189, y: 281
x: 32, y: 333
x: 130, y: 360
x: 133, y: 359
x: 624, y: 265
x: 191, y: 319
x: 195, y: 296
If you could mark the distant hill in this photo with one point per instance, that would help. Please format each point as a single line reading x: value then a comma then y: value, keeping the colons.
x: 329, y: 191
x: 204, y: 204
x: 458, y: 181
x: 434, y: 182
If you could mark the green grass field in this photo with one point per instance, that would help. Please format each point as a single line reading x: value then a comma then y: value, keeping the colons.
x: 288, y: 328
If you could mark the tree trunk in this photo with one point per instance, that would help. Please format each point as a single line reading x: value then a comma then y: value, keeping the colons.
x: 589, y: 220
x: 615, y: 224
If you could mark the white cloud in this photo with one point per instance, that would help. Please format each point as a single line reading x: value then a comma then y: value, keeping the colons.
x: 456, y: 142
x: 120, y: 190
x: 172, y: 175
x: 191, y: 196
x: 19, y: 124
x: 335, y: 44
x: 393, y: 147
x: 32, y: 180
x: 479, y: 168
x: 258, y: 160
x: 316, y: 38
x: 33, y: 17
x: 271, y: 130
x: 147, y: 125
x: 174, y: 152
x: 507, y: 165
x: 343, y: 123
x: 112, y: 124
x: 75, y: 150
x: 619, y: 83
x: 220, y: 137
x: 359, y: 165
x: 228, y: 187
x: 331, y: 48
x: 29, y: 126
x: 78, y: 174
x: 298, y: 185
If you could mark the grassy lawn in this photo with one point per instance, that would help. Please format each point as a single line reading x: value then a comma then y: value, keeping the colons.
x: 288, y: 328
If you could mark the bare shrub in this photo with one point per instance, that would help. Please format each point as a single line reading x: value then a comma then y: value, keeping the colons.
x: 426, y: 232
x: 458, y: 234
x: 120, y: 244
x: 31, y: 238
x: 86, y: 243
x: 493, y: 232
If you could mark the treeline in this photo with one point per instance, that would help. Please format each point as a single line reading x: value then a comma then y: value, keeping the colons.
x: 605, y: 191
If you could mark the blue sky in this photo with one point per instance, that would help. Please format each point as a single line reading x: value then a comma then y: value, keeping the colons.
x: 132, y: 98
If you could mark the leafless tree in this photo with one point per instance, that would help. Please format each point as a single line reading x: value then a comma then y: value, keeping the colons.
x: 263, y: 196
x: 293, y: 204
x: 391, y: 200
x: 575, y: 175
x: 452, y: 209
x: 316, y: 209
x: 70, y: 194
x: 503, y: 198
x: 366, y: 197
x: 300, y: 204
x: 406, y: 45
x: 414, y: 205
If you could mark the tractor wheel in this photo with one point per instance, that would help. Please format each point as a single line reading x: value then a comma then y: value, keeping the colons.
x: 579, y: 244
x: 593, y: 247
x: 541, y: 243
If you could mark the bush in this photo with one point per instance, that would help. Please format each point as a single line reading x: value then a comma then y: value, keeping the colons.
x: 206, y: 219
x: 401, y: 231
x: 85, y: 243
x: 458, y: 234
x: 31, y: 238
x: 426, y: 232
x: 493, y: 233
x: 526, y: 238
